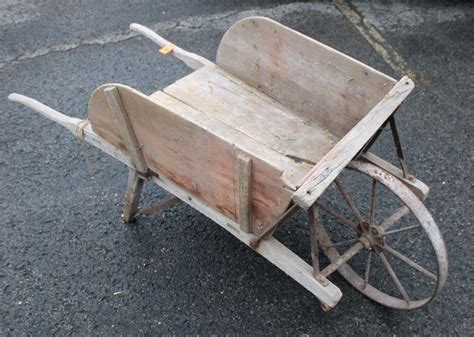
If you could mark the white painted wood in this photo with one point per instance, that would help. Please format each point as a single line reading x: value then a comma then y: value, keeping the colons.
x: 329, y: 167
x: 192, y: 60
x: 271, y: 249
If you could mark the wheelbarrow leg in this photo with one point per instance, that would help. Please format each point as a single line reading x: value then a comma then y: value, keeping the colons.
x: 132, y: 196
x: 135, y: 182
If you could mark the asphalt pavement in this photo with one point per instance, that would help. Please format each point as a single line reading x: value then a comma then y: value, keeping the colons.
x: 68, y: 265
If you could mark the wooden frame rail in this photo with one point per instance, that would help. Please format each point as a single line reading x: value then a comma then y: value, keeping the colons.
x: 329, y: 167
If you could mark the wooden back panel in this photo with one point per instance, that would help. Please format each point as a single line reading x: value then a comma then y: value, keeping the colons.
x: 196, y: 152
x: 305, y: 75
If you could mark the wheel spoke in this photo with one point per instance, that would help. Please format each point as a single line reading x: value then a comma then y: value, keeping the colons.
x: 390, y: 221
x: 372, y: 202
x: 344, y: 242
x: 411, y: 263
x: 342, y: 259
x: 336, y: 214
x: 394, y: 278
x: 348, y: 199
x: 402, y: 229
x: 367, y: 269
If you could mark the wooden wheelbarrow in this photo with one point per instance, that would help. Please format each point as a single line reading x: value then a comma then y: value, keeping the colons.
x: 263, y: 132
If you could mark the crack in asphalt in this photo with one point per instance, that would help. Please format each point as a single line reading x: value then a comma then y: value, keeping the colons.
x: 219, y: 21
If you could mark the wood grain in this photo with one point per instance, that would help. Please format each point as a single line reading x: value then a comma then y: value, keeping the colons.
x: 199, y: 153
x: 245, y: 192
x: 224, y: 97
x: 304, y: 75
x: 122, y: 122
x: 329, y: 167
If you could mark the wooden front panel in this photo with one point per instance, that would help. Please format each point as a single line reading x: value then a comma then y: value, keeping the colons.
x: 305, y: 75
x: 182, y: 144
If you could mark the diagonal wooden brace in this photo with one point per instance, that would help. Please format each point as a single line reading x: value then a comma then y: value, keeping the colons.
x: 135, y: 182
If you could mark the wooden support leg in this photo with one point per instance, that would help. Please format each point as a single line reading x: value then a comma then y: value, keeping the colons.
x: 160, y: 206
x: 135, y: 183
x: 245, y: 193
x: 132, y: 196
x: 314, y: 223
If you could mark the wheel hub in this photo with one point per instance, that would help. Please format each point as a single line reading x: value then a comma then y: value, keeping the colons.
x: 372, y: 236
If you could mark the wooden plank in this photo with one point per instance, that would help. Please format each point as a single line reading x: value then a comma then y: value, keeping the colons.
x: 328, y: 168
x: 272, y: 249
x: 236, y: 104
x: 160, y: 206
x: 132, y: 195
x: 305, y: 75
x: 417, y: 186
x: 122, y: 121
x: 200, y: 153
x: 245, y: 192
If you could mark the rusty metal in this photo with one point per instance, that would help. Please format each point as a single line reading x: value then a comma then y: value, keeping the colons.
x: 348, y: 199
x: 351, y: 252
x: 402, y: 229
x: 372, y: 238
x: 367, y: 269
x: 337, y: 215
x: 395, y: 278
x: 268, y: 232
x: 398, y: 145
x: 314, y: 222
x: 411, y: 263
x: 373, y: 139
x: 396, y: 216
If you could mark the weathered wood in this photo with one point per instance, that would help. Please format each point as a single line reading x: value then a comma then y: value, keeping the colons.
x: 245, y: 192
x: 329, y: 167
x: 305, y: 75
x: 132, y: 195
x: 314, y: 223
x: 416, y: 185
x: 199, y: 153
x: 224, y: 97
x: 73, y: 125
x: 270, y: 230
x: 274, y: 251
x: 160, y: 206
x: 271, y: 249
x: 122, y: 121
x: 192, y: 60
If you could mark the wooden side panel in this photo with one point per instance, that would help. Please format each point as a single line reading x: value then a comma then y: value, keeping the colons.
x: 303, y: 74
x: 177, y: 141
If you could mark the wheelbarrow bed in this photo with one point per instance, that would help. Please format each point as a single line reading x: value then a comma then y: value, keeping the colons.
x: 265, y: 130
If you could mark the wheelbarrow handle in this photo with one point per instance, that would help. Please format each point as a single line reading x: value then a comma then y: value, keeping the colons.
x: 81, y: 128
x: 192, y: 60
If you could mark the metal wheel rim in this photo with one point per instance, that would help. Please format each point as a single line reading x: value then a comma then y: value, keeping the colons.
x: 428, y: 224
